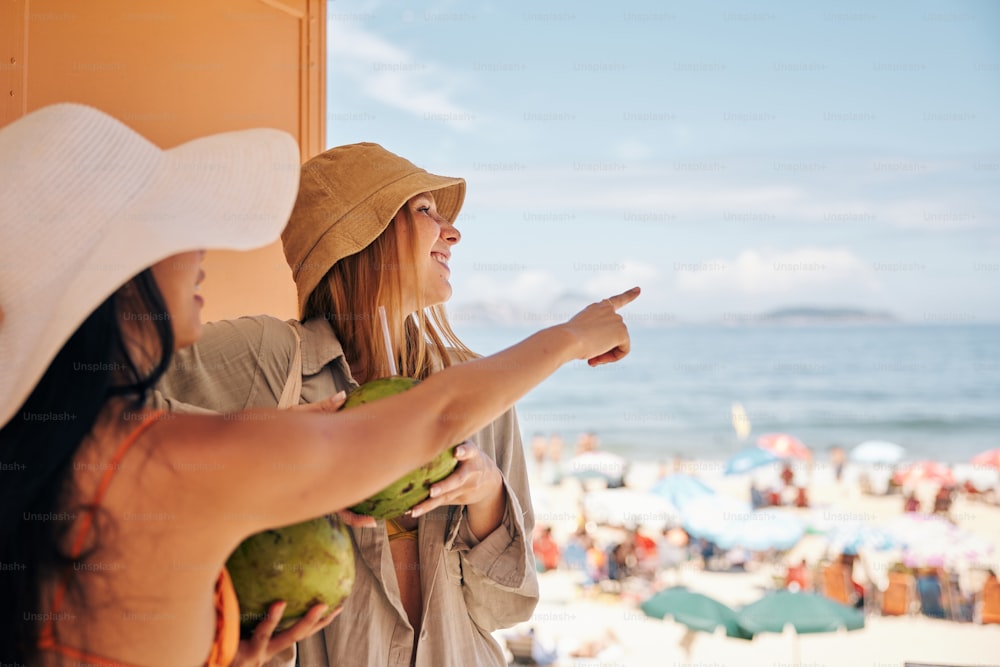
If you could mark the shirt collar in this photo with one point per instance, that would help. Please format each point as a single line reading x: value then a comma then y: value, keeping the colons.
x: 320, y: 346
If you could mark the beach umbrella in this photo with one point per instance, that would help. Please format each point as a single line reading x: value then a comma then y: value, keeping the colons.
x: 731, y: 524
x: 680, y: 489
x: 805, y: 612
x: 962, y: 550
x: 933, y: 541
x: 694, y: 610
x: 710, y: 517
x: 990, y: 458
x: 749, y: 458
x: 761, y: 530
x: 630, y: 509
x: 600, y: 465
x: 849, y: 537
x: 784, y: 445
x: 877, y: 451
x: 923, y: 471
x: 911, y: 528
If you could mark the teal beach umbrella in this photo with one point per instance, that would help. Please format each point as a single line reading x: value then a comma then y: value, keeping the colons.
x: 806, y: 612
x: 694, y: 610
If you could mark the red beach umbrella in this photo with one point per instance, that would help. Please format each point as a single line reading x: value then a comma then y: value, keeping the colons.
x: 924, y: 471
x: 784, y: 445
x: 989, y: 458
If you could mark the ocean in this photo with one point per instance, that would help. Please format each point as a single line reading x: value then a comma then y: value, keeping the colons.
x: 935, y: 389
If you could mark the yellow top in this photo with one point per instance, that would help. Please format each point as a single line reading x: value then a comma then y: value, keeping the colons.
x: 397, y: 532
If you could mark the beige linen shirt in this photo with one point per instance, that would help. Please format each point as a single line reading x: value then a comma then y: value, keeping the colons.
x: 470, y: 587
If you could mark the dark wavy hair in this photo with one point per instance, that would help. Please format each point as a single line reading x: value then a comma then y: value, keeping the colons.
x: 38, y: 445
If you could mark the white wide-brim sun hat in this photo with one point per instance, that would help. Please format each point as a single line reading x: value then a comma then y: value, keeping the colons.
x: 86, y: 203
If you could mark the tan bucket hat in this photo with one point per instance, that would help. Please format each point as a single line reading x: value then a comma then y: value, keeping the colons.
x: 347, y: 197
x: 86, y: 203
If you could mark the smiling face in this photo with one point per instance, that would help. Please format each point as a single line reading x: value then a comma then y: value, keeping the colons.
x: 428, y: 238
x: 178, y: 278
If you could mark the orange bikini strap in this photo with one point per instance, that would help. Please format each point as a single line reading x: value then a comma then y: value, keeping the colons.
x: 81, y: 657
x: 102, y: 488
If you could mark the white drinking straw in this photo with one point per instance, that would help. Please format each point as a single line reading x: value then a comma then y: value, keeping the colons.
x: 388, y: 340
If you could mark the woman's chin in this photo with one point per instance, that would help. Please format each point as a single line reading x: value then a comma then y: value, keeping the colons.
x: 188, y: 337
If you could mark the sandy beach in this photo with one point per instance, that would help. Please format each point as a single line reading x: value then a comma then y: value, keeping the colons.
x: 569, y: 619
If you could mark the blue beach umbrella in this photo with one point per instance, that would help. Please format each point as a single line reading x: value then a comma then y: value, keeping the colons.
x: 762, y: 530
x: 681, y: 489
x: 749, y: 458
x: 711, y: 517
x: 730, y: 523
x: 850, y: 536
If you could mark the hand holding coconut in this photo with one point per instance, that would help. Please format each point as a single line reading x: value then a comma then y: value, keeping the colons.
x: 476, y: 483
x: 265, y: 644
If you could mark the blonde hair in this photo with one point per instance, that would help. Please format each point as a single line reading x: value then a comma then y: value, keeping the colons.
x: 350, y: 293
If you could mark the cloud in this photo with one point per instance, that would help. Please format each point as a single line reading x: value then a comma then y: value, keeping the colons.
x: 765, y: 272
x: 528, y: 288
x: 620, y: 276
x: 734, y: 192
x: 621, y: 186
x: 391, y: 75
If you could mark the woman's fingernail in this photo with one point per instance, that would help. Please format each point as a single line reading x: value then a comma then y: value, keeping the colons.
x: 460, y: 451
x: 435, y: 492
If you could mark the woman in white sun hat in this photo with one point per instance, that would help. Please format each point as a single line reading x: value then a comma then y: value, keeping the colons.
x: 115, y: 522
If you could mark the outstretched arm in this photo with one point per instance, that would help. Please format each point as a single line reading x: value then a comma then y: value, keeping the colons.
x: 228, y: 468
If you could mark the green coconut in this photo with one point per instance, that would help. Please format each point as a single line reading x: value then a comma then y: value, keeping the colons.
x: 414, y: 487
x: 304, y: 565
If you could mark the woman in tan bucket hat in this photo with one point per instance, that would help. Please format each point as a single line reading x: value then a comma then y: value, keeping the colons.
x: 116, y: 520
x: 371, y: 229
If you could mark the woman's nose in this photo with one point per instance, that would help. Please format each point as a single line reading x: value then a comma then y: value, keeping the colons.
x: 450, y: 233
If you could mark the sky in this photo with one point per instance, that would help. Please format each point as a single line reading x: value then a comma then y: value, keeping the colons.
x: 730, y: 157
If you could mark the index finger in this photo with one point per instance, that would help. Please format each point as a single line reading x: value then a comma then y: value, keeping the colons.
x: 356, y: 520
x: 625, y: 298
x: 265, y: 629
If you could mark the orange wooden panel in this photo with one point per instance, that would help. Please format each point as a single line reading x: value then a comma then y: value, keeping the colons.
x: 176, y: 71
x: 13, y: 28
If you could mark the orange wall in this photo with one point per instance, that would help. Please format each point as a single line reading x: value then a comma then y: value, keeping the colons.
x: 174, y: 71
